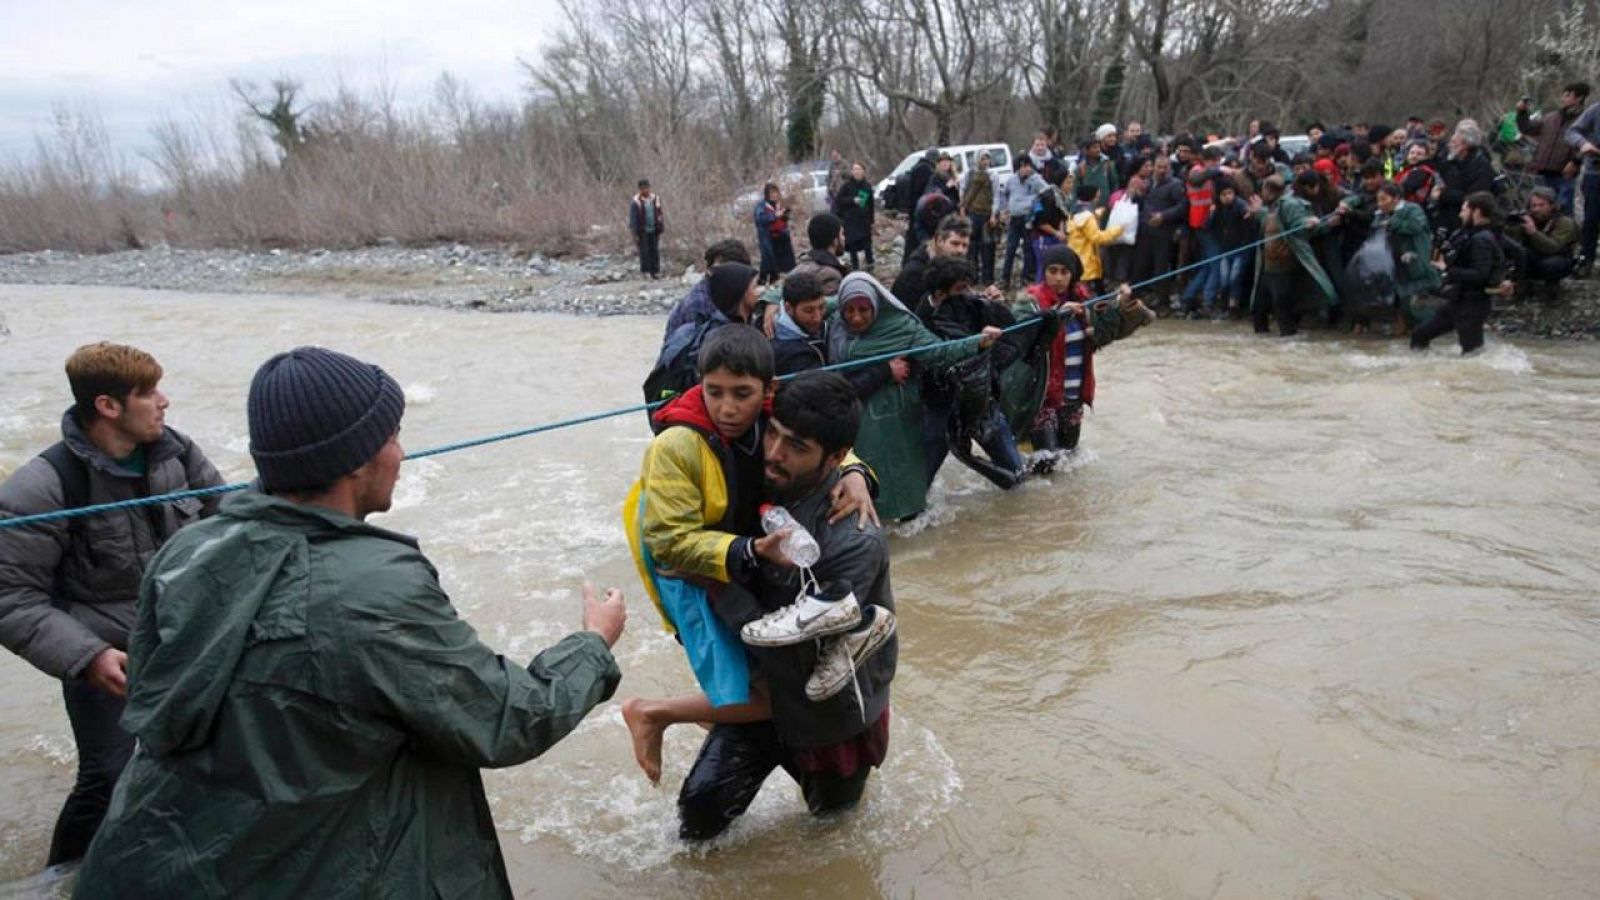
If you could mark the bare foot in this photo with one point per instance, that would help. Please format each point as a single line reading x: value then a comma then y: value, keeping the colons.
x: 646, y: 736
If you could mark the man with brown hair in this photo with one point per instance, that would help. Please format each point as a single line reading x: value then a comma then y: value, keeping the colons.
x: 67, y: 588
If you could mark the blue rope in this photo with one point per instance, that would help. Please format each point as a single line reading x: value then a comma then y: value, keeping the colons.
x: 200, y: 493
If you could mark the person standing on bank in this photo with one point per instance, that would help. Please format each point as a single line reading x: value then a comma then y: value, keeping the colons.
x: 67, y: 588
x: 311, y: 710
x: 647, y: 223
x: 977, y: 202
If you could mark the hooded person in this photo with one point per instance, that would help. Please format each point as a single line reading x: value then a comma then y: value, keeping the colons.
x: 1054, y: 423
x: 871, y: 323
x: 732, y: 288
x: 311, y: 711
x: 1286, y: 258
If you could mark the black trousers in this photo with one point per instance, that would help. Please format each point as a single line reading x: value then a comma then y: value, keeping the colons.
x: 103, y: 751
x: 1465, y: 316
x: 733, y: 763
x: 650, y: 253
x: 1275, y: 297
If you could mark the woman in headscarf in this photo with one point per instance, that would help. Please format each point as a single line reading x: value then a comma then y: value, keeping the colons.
x: 872, y: 324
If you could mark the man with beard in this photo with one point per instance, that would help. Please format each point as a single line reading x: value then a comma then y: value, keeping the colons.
x: 827, y: 742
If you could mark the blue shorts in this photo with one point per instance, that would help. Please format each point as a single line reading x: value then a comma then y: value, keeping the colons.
x: 715, y: 653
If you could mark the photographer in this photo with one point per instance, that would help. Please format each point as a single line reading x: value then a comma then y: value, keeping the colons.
x: 1545, y: 240
x: 1472, y: 264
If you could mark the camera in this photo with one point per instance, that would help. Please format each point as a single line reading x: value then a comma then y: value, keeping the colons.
x: 1516, y: 217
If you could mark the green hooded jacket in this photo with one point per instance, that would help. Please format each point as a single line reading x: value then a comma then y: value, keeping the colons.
x: 312, y: 715
x: 1292, y: 213
x: 890, y: 439
x: 1411, y: 241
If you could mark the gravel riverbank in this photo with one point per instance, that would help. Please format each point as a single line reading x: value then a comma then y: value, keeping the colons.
x: 500, y: 279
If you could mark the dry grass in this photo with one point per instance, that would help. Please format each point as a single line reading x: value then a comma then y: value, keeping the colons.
x: 503, y: 178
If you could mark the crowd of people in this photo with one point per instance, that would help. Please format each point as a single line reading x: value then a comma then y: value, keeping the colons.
x: 1210, y: 208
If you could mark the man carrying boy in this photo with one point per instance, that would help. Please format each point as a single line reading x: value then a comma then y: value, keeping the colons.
x: 67, y: 588
x: 692, y: 520
x: 828, y: 746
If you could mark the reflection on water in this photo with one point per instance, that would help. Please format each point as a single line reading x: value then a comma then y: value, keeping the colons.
x: 1306, y: 618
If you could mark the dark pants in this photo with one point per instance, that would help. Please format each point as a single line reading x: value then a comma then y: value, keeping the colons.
x: 103, y: 751
x: 855, y: 258
x: 998, y: 442
x: 1016, y: 234
x: 1591, y: 214
x: 1464, y: 316
x: 650, y: 253
x: 733, y: 763
x: 1275, y: 297
x: 981, y: 251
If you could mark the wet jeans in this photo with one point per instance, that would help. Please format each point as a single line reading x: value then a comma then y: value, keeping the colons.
x: 998, y: 441
x: 1204, y: 282
x: 103, y: 750
x: 733, y: 763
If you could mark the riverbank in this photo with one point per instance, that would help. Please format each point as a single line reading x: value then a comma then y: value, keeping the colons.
x: 503, y: 279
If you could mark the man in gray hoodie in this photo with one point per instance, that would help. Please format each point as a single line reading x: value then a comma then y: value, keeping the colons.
x: 1014, y: 201
x: 67, y: 588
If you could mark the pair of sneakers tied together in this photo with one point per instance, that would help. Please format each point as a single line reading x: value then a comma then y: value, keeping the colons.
x: 833, y: 614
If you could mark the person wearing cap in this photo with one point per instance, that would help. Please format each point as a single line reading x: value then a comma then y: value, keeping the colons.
x: 647, y: 223
x: 1113, y: 149
x: 67, y: 587
x: 311, y: 711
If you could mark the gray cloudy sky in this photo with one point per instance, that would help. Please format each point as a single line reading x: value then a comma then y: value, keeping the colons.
x: 135, y: 62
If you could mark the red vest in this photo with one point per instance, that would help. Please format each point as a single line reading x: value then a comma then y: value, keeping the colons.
x: 1199, y: 201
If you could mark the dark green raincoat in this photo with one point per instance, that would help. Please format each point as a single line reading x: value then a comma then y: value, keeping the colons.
x: 312, y: 715
x: 890, y: 440
x: 1292, y: 213
x: 1409, y: 232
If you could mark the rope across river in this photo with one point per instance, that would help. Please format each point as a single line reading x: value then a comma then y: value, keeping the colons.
x: 195, y: 493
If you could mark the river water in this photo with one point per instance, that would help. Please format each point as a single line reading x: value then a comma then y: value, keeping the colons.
x: 1312, y: 618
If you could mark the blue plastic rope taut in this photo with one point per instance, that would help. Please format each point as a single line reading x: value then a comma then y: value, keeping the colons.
x: 196, y: 493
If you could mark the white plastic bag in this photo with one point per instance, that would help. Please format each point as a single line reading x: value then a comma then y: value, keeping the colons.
x: 1125, y: 212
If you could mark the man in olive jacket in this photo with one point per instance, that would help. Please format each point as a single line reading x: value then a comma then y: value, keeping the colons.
x: 311, y: 712
x: 67, y: 587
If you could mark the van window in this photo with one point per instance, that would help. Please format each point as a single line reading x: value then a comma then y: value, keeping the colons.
x: 997, y: 157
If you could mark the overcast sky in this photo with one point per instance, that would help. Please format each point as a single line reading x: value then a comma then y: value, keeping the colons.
x: 138, y: 61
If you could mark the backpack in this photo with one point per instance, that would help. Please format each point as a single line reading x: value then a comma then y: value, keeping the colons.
x: 74, y: 475
x: 900, y: 196
x: 675, y: 370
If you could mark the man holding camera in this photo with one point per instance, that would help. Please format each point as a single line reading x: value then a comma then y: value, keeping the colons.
x: 1472, y: 265
x: 1545, y: 240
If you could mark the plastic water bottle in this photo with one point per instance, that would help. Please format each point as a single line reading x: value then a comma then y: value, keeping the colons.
x: 799, y: 546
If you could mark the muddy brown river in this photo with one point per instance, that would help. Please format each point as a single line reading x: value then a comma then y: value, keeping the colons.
x: 1314, y: 618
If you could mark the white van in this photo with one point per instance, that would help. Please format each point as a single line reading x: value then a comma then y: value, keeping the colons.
x: 965, y: 156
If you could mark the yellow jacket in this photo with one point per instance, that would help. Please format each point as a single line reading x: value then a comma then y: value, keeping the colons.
x: 1085, y: 237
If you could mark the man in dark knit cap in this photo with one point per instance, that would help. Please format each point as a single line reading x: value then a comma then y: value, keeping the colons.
x: 311, y: 712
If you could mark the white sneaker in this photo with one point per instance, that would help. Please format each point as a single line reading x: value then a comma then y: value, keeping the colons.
x: 845, y: 653
x: 804, y: 620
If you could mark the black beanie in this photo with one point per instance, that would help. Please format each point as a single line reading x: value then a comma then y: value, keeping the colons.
x: 730, y: 281
x: 1062, y: 255
x: 317, y: 415
x: 824, y: 229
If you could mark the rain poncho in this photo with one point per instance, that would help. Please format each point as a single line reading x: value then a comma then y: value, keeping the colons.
x: 312, y: 715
